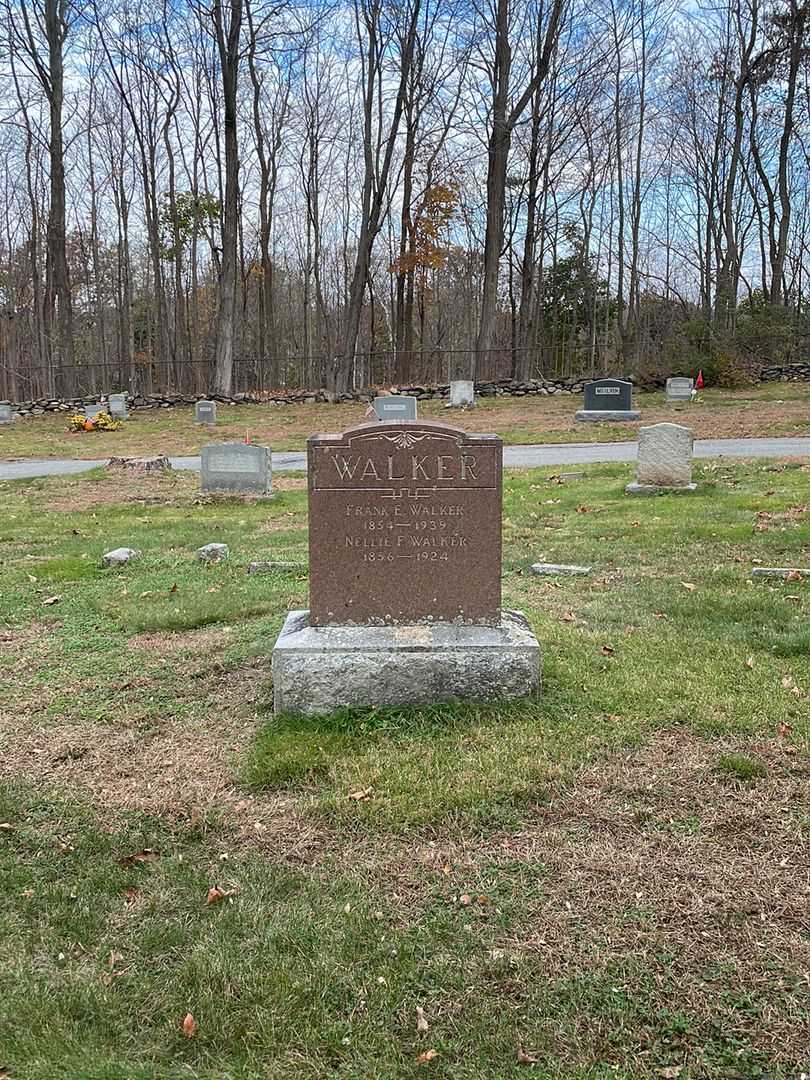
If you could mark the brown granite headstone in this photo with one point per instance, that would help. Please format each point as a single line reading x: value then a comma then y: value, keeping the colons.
x: 404, y: 525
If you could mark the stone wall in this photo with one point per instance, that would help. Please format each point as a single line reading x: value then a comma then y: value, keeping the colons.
x: 785, y: 373
x: 501, y: 388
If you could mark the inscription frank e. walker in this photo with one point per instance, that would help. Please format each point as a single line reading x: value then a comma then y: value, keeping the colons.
x: 404, y: 525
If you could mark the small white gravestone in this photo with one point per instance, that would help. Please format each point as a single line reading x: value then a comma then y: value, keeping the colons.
x: 680, y: 390
x: 5, y: 414
x: 236, y: 469
x: 664, y: 460
x: 462, y: 394
x: 91, y: 411
x: 395, y: 407
x: 118, y: 407
x: 205, y: 412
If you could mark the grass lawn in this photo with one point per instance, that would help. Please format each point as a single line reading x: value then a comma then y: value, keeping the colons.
x: 610, y: 881
x: 773, y: 409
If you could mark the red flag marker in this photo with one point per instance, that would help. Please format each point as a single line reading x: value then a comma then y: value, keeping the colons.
x: 699, y: 380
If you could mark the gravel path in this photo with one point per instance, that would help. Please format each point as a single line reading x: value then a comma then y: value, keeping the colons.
x: 514, y: 457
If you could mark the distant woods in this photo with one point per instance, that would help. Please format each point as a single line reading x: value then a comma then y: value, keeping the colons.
x: 257, y: 194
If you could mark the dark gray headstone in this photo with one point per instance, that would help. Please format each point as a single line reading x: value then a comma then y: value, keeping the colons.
x: 205, y: 412
x: 609, y: 395
x: 236, y: 468
x: 395, y: 407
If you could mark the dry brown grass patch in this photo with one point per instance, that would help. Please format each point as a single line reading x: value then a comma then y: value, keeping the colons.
x: 203, y: 640
x: 654, y: 862
x: 179, y: 767
x: 121, y: 486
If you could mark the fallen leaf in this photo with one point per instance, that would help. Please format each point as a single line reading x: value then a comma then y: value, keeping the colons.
x: 421, y: 1022
x: 173, y: 589
x: 31, y: 577
x: 794, y: 575
x: 362, y: 795
x: 51, y: 600
x: 749, y: 663
x: 6, y: 825
x: 783, y: 730
x: 793, y: 599
x: 144, y: 856
x: 670, y: 1072
x: 569, y: 616
x: 525, y: 1058
x: 465, y: 899
x: 688, y: 586
x: 130, y: 895
x: 660, y: 615
x: 428, y: 1055
x: 189, y: 1025
x: 215, y: 894
x: 608, y: 650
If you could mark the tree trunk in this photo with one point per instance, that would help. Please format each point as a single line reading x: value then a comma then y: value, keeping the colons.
x: 228, y: 45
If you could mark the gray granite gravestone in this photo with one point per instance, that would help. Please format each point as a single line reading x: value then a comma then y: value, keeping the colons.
x: 664, y: 460
x: 462, y: 393
x: 679, y: 389
x: 5, y: 414
x: 236, y: 469
x: 404, y: 576
x: 118, y: 407
x: 395, y: 407
x: 91, y: 411
x: 608, y: 399
x: 205, y: 412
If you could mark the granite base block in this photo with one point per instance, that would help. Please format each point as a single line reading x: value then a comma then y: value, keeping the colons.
x: 320, y: 669
x: 597, y: 415
x: 657, y: 489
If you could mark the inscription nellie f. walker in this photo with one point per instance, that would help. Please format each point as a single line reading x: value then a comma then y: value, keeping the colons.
x: 405, y: 525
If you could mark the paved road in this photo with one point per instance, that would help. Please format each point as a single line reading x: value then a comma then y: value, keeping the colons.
x: 514, y: 457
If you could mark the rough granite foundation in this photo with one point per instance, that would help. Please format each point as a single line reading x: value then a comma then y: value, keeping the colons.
x: 319, y: 669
